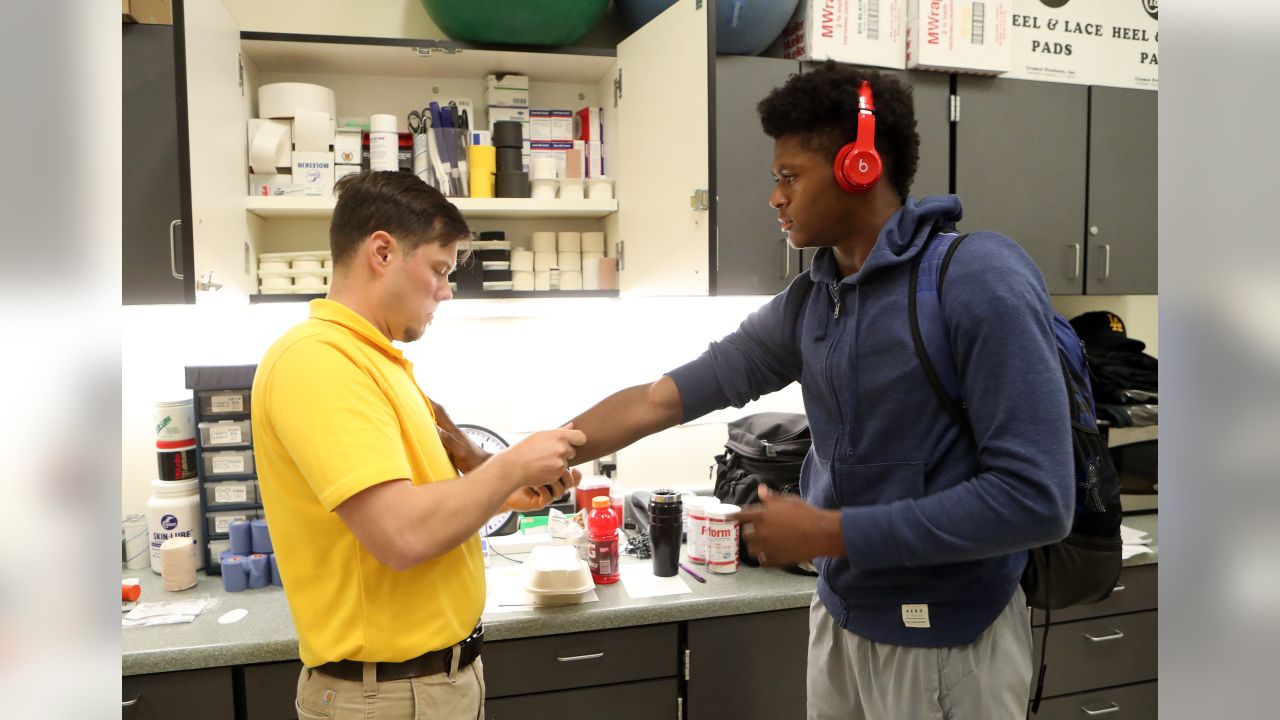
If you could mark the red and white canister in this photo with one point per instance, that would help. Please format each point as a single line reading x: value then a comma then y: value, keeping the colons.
x: 722, y: 538
x: 696, y: 549
x: 175, y: 424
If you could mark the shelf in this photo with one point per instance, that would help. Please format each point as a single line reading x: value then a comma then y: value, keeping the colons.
x: 322, y: 207
x: 490, y: 295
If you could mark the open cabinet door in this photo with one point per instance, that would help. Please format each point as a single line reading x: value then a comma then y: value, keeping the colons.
x: 216, y: 152
x: 660, y: 158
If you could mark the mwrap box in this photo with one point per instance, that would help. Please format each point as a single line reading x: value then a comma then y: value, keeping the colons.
x: 1133, y: 40
x: 551, y: 125
x: 966, y: 36
x: 558, y: 151
x: 1069, y: 43
x: 864, y: 32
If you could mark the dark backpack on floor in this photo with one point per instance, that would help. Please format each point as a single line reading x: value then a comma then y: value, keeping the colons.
x: 766, y: 448
x: 1084, y: 566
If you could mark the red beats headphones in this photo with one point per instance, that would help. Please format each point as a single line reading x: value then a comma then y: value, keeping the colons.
x: 857, y: 165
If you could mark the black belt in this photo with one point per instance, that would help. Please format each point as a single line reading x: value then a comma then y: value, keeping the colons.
x: 431, y: 663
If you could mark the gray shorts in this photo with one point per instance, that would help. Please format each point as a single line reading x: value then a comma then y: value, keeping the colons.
x: 852, y: 678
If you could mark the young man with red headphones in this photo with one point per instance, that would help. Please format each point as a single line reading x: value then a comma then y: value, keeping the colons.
x: 919, y: 525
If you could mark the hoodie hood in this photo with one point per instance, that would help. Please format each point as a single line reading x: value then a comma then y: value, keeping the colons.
x: 899, y: 240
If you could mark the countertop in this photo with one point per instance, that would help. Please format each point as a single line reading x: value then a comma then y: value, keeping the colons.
x: 266, y: 634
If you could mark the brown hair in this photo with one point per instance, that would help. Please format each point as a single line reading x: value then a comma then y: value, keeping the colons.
x: 400, y: 204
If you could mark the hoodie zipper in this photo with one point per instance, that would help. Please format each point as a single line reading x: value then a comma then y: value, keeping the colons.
x: 835, y: 298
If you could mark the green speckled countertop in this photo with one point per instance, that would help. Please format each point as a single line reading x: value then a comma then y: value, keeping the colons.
x: 266, y: 634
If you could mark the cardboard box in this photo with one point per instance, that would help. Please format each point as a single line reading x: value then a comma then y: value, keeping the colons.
x: 507, y: 81
x: 558, y: 151
x: 346, y: 147
x: 551, y: 125
x: 509, y: 98
x: 150, y: 12
x: 497, y: 114
x: 266, y: 184
x: 1133, y: 44
x: 966, y: 36
x: 341, y: 171
x: 1086, y: 42
x: 864, y: 32
x: 314, y: 169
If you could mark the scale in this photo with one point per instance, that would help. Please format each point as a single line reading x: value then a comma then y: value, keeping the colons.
x: 504, y: 523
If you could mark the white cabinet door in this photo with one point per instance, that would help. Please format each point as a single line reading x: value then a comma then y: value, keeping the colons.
x: 217, y: 165
x: 661, y: 156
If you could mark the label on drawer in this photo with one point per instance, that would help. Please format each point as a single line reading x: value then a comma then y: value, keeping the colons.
x: 227, y: 403
x: 915, y: 616
x: 233, y: 464
x: 231, y: 493
x: 229, y: 435
x: 222, y: 523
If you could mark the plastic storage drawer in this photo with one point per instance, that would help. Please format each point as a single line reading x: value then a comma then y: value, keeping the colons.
x: 230, y: 492
x: 226, y: 433
x: 223, y: 402
x: 219, y: 523
x: 228, y: 463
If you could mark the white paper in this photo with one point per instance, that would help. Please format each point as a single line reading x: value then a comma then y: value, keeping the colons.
x: 165, y: 613
x: 1133, y: 536
x: 640, y: 582
x: 1129, y: 551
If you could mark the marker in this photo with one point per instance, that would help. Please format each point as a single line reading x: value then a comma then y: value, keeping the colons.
x: 695, y: 575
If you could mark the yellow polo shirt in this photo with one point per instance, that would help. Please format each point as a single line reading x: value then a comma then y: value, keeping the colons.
x: 336, y: 410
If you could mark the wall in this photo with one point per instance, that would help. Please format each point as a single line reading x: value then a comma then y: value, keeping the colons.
x: 1140, y: 313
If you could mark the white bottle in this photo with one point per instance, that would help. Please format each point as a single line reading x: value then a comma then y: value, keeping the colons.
x: 173, y: 510
x: 384, y: 144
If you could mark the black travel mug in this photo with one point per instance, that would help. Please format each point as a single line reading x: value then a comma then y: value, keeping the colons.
x: 666, y: 525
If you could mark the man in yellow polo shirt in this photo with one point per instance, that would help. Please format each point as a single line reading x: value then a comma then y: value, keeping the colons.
x: 375, y: 533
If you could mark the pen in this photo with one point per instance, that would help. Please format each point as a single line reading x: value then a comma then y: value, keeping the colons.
x: 695, y: 575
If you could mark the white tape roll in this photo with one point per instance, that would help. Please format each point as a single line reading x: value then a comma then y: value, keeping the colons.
x: 569, y: 260
x: 268, y: 145
x: 586, y: 255
x: 571, y: 189
x: 570, y: 280
x: 542, y: 280
x: 311, y: 131
x: 544, y: 260
x: 178, y: 563
x: 542, y: 167
x: 569, y: 241
x: 522, y: 280
x: 282, y: 100
x: 522, y: 260
x: 544, y: 242
x: 592, y: 242
x: 600, y: 189
x: 276, y: 283
x: 590, y: 273
x: 544, y: 189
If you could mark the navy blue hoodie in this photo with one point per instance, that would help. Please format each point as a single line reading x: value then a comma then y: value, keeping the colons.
x: 933, y: 513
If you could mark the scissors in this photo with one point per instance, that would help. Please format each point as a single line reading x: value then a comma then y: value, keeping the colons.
x: 419, y: 121
x: 460, y: 119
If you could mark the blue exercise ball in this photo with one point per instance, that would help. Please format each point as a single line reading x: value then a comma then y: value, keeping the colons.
x: 743, y: 27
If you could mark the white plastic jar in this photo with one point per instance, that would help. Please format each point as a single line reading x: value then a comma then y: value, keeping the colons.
x: 722, y: 538
x: 384, y: 143
x: 173, y: 510
x: 175, y: 423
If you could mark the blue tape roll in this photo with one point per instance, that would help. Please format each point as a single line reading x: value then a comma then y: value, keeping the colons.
x: 235, y: 576
x: 241, y: 543
x: 261, y: 537
x: 259, y: 571
x: 275, y: 572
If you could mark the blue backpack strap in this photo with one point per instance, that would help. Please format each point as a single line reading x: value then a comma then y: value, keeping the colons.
x: 924, y: 305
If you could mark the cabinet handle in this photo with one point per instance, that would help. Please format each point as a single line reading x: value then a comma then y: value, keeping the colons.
x: 1075, y: 262
x: 1115, y: 635
x: 1106, y: 261
x: 576, y: 658
x: 1112, y: 706
x: 786, y: 259
x: 1118, y: 588
x: 130, y: 703
x: 173, y: 259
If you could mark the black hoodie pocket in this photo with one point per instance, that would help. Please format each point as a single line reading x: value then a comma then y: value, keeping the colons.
x: 877, y: 483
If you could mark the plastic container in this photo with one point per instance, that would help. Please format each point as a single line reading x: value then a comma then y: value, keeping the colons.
x: 224, y: 402
x: 228, y: 463
x: 602, y: 536
x: 175, y: 424
x: 696, y: 528
x: 177, y: 464
x: 666, y: 524
x: 219, y: 523
x: 722, y: 538
x: 556, y: 570
x: 230, y: 492
x: 384, y: 143
x: 226, y: 433
x: 173, y: 511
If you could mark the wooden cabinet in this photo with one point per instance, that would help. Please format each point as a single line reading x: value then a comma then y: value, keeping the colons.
x: 1102, y: 658
x: 189, y: 694
x: 269, y: 690
x: 748, y: 666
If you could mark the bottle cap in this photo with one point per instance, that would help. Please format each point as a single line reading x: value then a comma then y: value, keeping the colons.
x: 600, y: 501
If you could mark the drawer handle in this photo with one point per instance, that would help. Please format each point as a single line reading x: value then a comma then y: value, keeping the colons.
x: 1115, y: 635
x: 1119, y: 587
x: 130, y: 703
x: 1113, y: 707
x: 576, y: 658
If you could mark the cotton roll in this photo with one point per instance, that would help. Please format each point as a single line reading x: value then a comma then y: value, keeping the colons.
x: 600, y: 189
x: 543, y: 189
x: 522, y: 280
x: 275, y: 572
x: 521, y: 242
x: 542, y: 167
x: 592, y: 242
x: 569, y: 260
x: 282, y: 100
x: 590, y: 273
x: 571, y: 189
x: 178, y: 563
x: 235, y: 575
x: 570, y: 241
x: 570, y: 280
x: 591, y: 256
x: 521, y: 260
x: 241, y: 537
x: 259, y: 570
x: 261, y: 536
x: 542, y: 280
x: 544, y: 242
x: 544, y: 260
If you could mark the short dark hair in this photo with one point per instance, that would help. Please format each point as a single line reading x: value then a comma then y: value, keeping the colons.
x: 821, y: 106
x: 397, y: 203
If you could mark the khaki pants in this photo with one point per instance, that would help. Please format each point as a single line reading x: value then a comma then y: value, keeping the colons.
x: 852, y: 678
x: 432, y: 697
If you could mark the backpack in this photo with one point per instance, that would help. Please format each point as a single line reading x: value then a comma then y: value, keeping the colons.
x: 766, y: 448
x: 1084, y: 566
